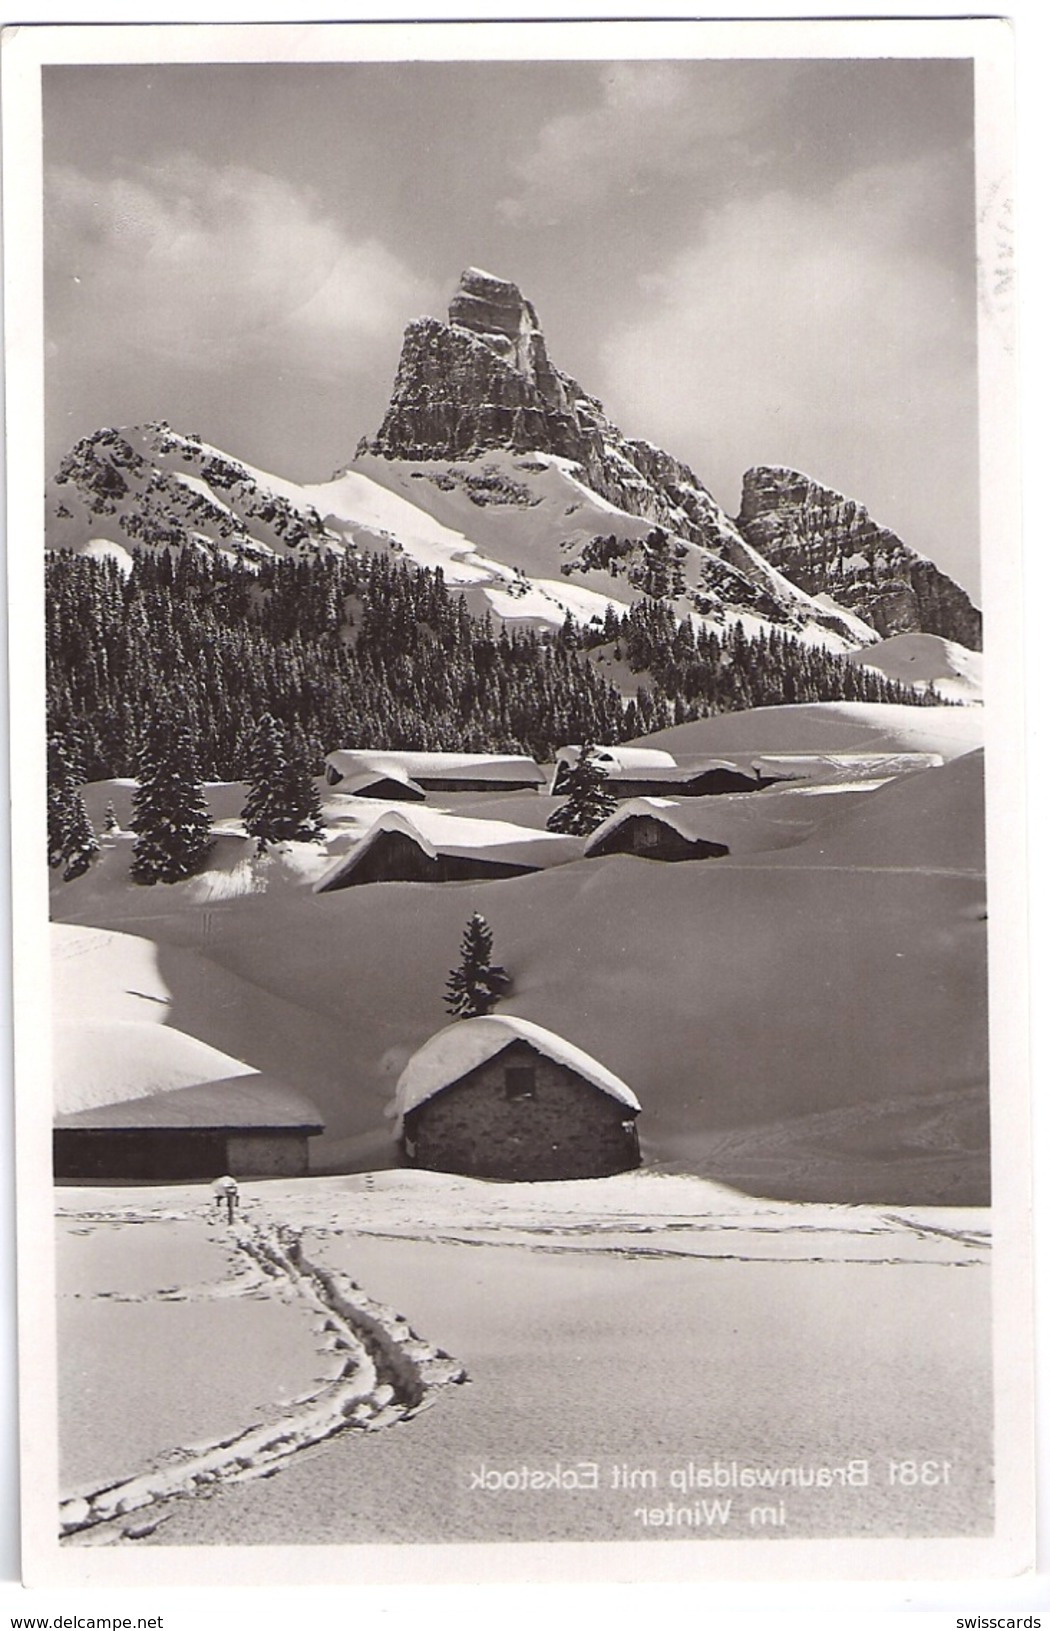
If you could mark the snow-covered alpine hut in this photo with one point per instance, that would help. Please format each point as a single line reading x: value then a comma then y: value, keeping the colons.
x: 658, y: 830
x: 432, y: 847
x: 501, y: 1097
x: 370, y: 773
x: 247, y: 1126
x: 632, y: 772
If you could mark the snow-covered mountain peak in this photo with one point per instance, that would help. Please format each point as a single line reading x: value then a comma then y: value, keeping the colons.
x: 496, y: 466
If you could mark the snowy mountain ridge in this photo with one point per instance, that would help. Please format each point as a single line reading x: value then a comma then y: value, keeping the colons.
x: 522, y: 537
x: 496, y: 467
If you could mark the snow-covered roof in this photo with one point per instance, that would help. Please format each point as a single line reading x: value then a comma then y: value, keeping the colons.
x: 854, y: 765
x: 466, y: 1043
x: 256, y: 1101
x: 457, y: 766
x: 437, y: 833
x: 619, y: 758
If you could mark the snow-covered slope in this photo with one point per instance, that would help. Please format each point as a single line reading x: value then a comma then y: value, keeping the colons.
x: 829, y: 727
x: 830, y: 991
x: 933, y: 819
x: 928, y: 662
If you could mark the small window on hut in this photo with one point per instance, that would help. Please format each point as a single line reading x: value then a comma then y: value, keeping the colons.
x: 520, y: 1081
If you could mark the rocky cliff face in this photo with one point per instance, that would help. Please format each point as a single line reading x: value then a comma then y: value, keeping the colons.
x: 483, y: 380
x: 827, y: 544
x: 148, y: 486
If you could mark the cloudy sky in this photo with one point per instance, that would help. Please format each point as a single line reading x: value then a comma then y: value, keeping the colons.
x: 748, y: 262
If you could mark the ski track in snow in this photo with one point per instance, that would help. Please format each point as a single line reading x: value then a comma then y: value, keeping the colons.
x: 385, y: 1372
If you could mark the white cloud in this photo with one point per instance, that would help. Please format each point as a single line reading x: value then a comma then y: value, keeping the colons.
x: 654, y: 120
x: 820, y: 332
x: 207, y: 264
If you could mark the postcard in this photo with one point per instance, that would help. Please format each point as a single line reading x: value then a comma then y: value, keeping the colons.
x: 520, y: 1029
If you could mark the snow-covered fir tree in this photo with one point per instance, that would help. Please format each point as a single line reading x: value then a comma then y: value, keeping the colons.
x: 477, y: 984
x: 588, y: 802
x: 71, y: 841
x: 171, y: 816
x: 283, y: 802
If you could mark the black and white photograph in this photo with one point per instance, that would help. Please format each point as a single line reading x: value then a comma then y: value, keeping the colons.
x: 520, y: 1027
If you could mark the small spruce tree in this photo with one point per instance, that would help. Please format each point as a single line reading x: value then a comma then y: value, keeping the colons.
x: 171, y: 816
x: 477, y: 984
x: 71, y: 840
x: 60, y: 786
x: 588, y: 802
x: 283, y: 802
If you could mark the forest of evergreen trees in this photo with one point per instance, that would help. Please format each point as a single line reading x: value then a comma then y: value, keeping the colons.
x: 367, y: 651
x: 696, y: 674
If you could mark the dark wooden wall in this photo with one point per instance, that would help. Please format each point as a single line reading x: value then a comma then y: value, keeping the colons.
x: 393, y: 857
x: 172, y: 1154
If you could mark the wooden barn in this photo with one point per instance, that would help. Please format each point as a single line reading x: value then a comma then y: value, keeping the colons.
x: 500, y: 1097
x: 432, y: 847
x: 653, y: 773
x: 370, y: 772
x: 378, y: 784
x: 657, y: 830
x: 247, y: 1126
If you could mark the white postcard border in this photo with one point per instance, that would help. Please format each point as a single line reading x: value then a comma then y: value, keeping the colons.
x: 1009, y: 1551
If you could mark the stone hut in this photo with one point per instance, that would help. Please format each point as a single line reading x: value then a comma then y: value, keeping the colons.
x: 247, y: 1126
x: 500, y: 1097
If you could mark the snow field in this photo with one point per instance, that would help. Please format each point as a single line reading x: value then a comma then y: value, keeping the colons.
x: 765, y: 1363
x: 798, y: 1321
x: 152, y: 1360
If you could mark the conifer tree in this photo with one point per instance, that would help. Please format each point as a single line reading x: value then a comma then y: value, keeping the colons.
x: 283, y: 802
x: 171, y: 816
x: 71, y: 840
x: 60, y: 787
x: 477, y: 984
x: 588, y: 802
